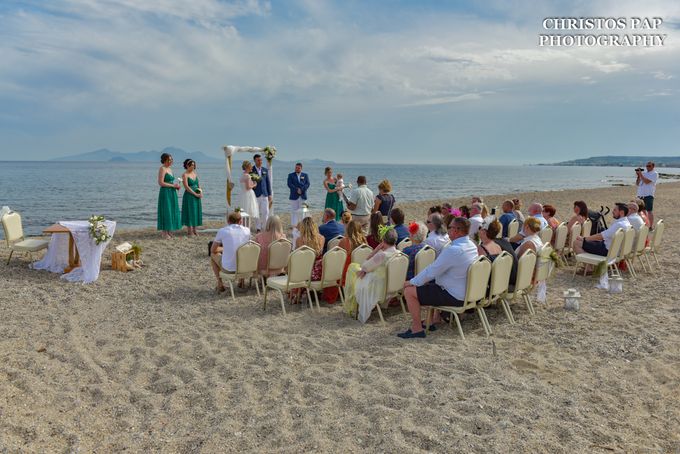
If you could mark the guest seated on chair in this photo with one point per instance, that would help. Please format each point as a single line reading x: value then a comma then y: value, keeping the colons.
x: 476, y: 219
x: 346, y: 218
x: 397, y: 218
x: 330, y: 227
x: 365, y: 284
x: 580, y: 214
x: 530, y: 238
x: 535, y: 212
x: 599, y: 243
x: 417, y: 232
x: 273, y: 231
x: 507, y: 217
x: 549, y: 215
x: 373, y: 237
x: 443, y: 282
x: 633, y: 217
x: 437, y: 237
x: 224, y: 246
x: 487, y: 244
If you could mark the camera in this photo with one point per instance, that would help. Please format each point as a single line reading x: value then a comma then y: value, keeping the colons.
x: 639, y: 169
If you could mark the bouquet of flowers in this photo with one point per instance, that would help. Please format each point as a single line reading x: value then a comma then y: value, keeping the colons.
x: 269, y: 153
x: 98, y: 230
x: 255, y: 177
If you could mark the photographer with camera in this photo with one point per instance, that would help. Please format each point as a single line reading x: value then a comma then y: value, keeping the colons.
x: 646, y: 184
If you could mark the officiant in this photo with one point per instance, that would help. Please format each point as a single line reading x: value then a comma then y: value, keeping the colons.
x: 263, y: 192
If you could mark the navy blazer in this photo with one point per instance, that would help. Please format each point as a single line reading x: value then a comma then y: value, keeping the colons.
x: 330, y: 230
x: 294, y: 185
x: 264, y: 186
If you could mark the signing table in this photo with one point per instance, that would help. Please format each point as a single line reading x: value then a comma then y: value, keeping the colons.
x: 73, y: 252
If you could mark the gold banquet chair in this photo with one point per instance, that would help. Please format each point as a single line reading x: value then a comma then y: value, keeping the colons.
x: 424, y: 258
x: 14, y: 237
x: 247, y: 258
x: 586, y: 228
x: 610, y: 259
x: 639, y: 248
x: 513, y: 228
x: 277, y: 257
x: 655, y: 243
x: 331, y: 273
x: 396, y: 269
x: 501, y: 268
x: 475, y: 291
x: 525, y: 273
x: 299, y: 275
x: 546, y: 235
x: 561, y: 234
x: 334, y: 242
x: 360, y: 253
x: 406, y: 242
x: 626, y: 249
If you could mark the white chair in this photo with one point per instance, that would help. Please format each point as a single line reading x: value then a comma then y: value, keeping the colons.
x: 627, y: 249
x: 406, y: 242
x: 525, y: 273
x: 655, y: 243
x: 573, y: 233
x: 334, y: 242
x: 300, y: 264
x: 639, y: 248
x: 247, y: 258
x: 14, y: 237
x: 610, y: 259
x: 424, y: 258
x: 586, y: 228
x: 277, y: 257
x: 475, y: 291
x: 501, y: 268
x: 331, y: 273
x: 546, y: 235
x: 360, y: 253
x: 544, y: 263
x: 397, y: 267
x: 561, y: 234
x: 513, y: 228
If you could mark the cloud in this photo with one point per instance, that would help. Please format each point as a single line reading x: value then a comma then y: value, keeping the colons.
x: 660, y: 75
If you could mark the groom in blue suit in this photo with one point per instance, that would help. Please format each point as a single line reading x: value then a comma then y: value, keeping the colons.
x: 263, y: 192
x: 298, y: 183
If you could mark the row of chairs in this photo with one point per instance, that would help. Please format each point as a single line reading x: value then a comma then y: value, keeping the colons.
x: 335, y: 241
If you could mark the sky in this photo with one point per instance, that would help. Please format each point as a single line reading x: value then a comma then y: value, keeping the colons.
x: 436, y: 82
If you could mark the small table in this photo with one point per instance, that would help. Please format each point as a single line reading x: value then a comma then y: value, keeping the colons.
x: 73, y: 255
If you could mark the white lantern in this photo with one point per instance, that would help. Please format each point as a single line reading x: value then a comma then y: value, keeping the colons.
x: 616, y: 285
x: 571, y: 299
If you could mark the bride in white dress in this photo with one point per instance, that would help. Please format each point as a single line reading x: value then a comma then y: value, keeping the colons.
x: 247, y: 200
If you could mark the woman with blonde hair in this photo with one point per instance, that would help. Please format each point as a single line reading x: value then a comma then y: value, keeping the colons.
x: 273, y: 231
x: 346, y: 218
x: 247, y: 200
x: 384, y: 201
x: 354, y: 236
x: 308, y: 235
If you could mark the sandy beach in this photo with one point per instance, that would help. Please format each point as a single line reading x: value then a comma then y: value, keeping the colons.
x: 156, y: 361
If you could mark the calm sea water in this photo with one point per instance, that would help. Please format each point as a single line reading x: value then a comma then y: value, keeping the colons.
x: 45, y: 192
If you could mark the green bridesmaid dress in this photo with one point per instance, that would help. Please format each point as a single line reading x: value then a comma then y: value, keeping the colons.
x: 333, y: 201
x: 192, y: 210
x: 168, y: 207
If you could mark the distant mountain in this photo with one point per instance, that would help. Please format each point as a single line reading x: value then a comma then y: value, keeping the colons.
x: 106, y: 155
x: 622, y: 161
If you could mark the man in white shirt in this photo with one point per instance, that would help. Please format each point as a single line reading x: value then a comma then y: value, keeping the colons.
x: 600, y: 243
x: 443, y: 282
x: 360, y: 203
x: 633, y: 217
x: 476, y: 219
x: 437, y: 238
x: 646, y: 183
x: 536, y: 210
x: 225, y: 244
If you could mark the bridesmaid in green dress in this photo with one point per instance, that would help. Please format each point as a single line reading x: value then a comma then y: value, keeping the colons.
x: 332, y: 197
x: 168, y: 206
x: 192, y: 210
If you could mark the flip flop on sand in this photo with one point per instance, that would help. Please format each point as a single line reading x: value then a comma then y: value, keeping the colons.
x: 408, y: 334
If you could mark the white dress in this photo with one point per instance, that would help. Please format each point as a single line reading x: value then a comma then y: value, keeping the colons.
x: 365, y: 293
x: 247, y: 200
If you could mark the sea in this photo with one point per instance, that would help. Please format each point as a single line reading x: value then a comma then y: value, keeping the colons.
x: 47, y: 192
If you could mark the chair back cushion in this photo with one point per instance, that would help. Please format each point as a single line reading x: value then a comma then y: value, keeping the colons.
x: 247, y: 257
x: 628, y: 240
x: 333, y: 265
x: 300, y: 264
x: 11, y: 223
x: 544, y: 264
x: 478, y: 275
x: 545, y: 235
x: 561, y: 233
x: 404, y: 243
x: 397, y: 267
x: 658, y: 234
x: 333, y: 242
x: 513, y: 228
x: 525, y: 270
x: 279, y: 251
x: 641, y: 238
x: 424, y: 258
x: 575, y: 231
x: 586, y: 228
x: 500, y: 274
x: 360, y: 253
x: 615, y: 247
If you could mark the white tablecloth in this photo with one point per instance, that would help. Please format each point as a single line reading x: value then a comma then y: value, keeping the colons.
x: 56, y: 258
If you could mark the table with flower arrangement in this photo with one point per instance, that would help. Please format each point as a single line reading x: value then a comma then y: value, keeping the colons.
x: 76, y: 248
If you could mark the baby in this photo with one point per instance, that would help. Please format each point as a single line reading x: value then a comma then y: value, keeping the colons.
x: 339, y: 182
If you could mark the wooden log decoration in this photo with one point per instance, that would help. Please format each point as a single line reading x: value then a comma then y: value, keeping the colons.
x: 119, y: 260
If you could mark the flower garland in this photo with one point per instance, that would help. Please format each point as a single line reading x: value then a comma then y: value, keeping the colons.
x: 98, y: 231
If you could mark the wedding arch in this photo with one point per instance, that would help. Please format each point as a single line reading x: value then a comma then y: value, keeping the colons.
x: 268, y: 153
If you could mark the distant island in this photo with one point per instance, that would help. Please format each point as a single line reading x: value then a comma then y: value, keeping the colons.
x: 621, y: 161
x: 178, y: 154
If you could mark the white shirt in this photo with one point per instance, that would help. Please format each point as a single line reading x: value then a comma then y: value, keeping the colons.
x: 647, y: 189
x: 231, y: 237
x: 608, y: 235
x: 542, y: 220
x: 363, y: 198
x: 449, y: 270
x: 437, y: 242
x: 476, y: 222
x: 636, y: 221
x: 534, y: 239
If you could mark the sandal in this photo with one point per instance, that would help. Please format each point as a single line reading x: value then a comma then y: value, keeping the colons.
x: 408, y: 334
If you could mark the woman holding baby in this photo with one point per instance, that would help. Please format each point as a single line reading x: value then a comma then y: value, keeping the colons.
x: 334, y: 187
